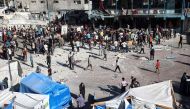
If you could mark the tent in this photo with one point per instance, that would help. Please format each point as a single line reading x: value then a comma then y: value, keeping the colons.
x: 23, y: 100
x: 145, y: 97
x: 16, y: 72
x: 38, y: 83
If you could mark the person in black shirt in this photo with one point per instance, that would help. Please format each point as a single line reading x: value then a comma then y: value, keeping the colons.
x: 180, y: 41
x: 48, y: 59
x: 82, y: 89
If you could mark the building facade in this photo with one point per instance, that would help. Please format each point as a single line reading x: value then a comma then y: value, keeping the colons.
x: 37, y: 6
x: 144, y: 13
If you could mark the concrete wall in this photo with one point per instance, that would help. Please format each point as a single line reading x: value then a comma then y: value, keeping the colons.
x: 36, y: 6
x: 69, y: 5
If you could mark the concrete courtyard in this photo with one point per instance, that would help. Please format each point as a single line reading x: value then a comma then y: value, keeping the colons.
x: 103, y: 82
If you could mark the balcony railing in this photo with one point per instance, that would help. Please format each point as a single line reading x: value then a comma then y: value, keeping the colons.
x: 144, y: 12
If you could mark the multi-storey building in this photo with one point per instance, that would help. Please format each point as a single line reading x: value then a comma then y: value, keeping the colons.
x: 52, y: 7
x: 144, y: 13
x: 37, y: 6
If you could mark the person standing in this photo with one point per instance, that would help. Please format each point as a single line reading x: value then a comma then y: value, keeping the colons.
x: 78, y: 45
x: 183, y: 84
x: 82, y: 89
x: 150, y: 40
x: 24, y: 54
x: 142, y: 48
x: 5, y: 83
x: 116, y: 45
x: 134, y: 83
x: 152, y: 52
x: 33, y: 47
x: 81, y: 102
x: 31, y: 60
x: 50, y: 73
x: 9, y: 54
x: 89, y: 63
x: 69, y: 60
x: 48, y: 59
x: 105, y: 53
x: 38, y: 69
x: 117, y: 65
x: 124, y: 45
x: 72, y: 61
x: 180, y: 41
x: 50, y: 46
x: 100, y: 49
x: 124, y: 84
x: 157, y: 66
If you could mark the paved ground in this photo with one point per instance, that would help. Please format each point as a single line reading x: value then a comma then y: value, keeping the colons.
x: 103, y: 82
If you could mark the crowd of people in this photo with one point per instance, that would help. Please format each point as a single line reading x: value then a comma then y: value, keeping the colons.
x: 43, y: 40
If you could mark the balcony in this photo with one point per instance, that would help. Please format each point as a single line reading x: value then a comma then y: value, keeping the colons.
x: 145, y: 12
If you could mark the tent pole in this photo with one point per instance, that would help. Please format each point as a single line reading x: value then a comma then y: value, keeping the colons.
x: 11, y: 79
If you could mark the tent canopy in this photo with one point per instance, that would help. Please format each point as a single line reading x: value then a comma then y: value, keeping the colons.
x: 40, y: 84
x: 159, y: 94
x: 23, y: 100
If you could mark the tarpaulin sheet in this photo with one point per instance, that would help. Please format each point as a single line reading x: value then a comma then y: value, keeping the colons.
x: 101, y: 107
x: 10, y: 106
x: 40, y: 84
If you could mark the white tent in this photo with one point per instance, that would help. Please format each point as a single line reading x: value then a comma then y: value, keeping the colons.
x: 16, y: 72
x: 24, y: 100
x: 146, y: 97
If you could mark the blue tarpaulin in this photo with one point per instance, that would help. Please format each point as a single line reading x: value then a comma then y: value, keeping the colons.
x: 38, y: 83
x: 10, y: 106
x: 101, y: 107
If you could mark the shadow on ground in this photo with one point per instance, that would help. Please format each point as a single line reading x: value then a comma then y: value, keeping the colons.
x: 183, y: 63
x: 106, y: 68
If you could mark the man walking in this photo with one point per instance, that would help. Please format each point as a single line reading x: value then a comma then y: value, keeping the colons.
x: 48, y: 59
x: 117, y: 65
x: 180, y: 42
x: 89, y: 63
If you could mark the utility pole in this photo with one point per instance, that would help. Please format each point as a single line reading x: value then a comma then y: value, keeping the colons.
x: 10, y: 74
x: 116, y: 7
x: 4, y: 3
x: 48, y: 10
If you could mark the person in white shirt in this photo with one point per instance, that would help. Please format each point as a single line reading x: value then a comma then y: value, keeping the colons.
x: 45, y: 47
x: 124, y: 84
x: 124, y: 45
x: 80, y: 102
x: 77, y: 45
x: 9, y: 53
x: 116, y: 45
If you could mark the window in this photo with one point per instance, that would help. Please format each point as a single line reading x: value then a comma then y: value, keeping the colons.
x: 85, y: 1
x: 55, y: 1
x: 42, y: 1
x: 33, y: 1
x: 77, y: 1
